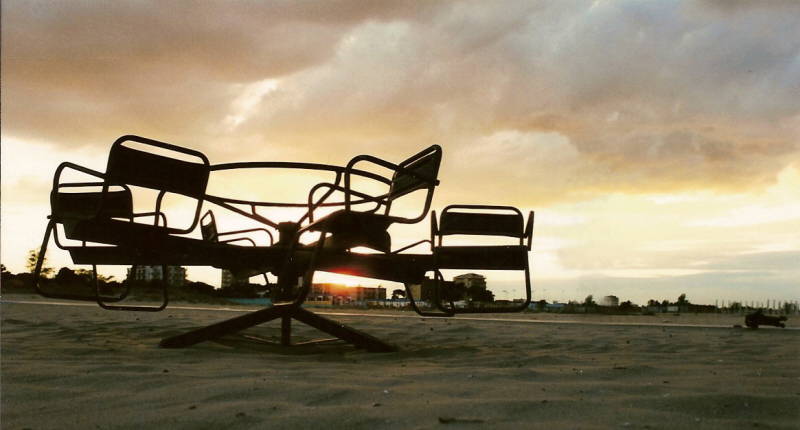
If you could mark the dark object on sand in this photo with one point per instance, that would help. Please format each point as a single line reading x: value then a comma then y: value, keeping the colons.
x: 97, y: 220
x: 758, y: 318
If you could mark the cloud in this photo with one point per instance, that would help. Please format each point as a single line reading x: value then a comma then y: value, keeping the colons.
x: 633, y: 97
x: 753, y: 215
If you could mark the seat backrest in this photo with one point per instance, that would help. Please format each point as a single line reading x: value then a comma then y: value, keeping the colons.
x: 419, y: 172
x: 132, y: 166
x: 482, y: 220
x: 138, y: 161
x: 115, y: 204
x: 481, y: 224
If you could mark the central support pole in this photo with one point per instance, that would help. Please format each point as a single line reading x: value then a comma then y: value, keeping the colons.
x: 286, y: 330
x: 285, y: 312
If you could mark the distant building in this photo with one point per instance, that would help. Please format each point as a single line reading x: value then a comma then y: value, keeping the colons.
x: 609, y: 301
x: 342, y: 294
x: 427, y: 290
x: 470, y: 280
x: 361, y: 294
x: 228, y: 280
x: 416, y: 290
x: 327, y: 289
x: 176, y: 275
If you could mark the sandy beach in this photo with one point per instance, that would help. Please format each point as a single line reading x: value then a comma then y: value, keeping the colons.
x: 80, y: 367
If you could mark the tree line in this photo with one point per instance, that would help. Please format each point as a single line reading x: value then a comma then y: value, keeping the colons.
x: 81, y: 281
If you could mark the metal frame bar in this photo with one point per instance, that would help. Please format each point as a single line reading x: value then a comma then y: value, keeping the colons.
x: 229, y: 203
x: 525, y: 238
x: 97, y: 297
x: 136, y: 308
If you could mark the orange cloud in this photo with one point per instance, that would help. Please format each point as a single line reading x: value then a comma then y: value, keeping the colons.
x: 643, y: 96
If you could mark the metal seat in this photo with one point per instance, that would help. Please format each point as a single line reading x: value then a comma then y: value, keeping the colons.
x: 476, y: 221
x: 349, y: 228
x: 102, y: 211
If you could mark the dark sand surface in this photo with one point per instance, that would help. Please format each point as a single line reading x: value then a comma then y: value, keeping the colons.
x: 85, y: 368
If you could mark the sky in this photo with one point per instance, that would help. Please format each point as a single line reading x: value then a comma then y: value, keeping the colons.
x: 657, y: 142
